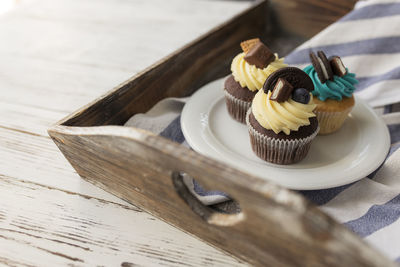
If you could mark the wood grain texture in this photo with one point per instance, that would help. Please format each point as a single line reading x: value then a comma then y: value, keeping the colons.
x: 49, y: 216
x: 85, y: 48
x: 62, y: 228
x: 206, y: 58
x: 306, y: 18
x: 34, y: 158
x: 180, y: 74
x: 276, y: 226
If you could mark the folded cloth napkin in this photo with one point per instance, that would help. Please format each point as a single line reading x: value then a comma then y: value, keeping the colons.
x: 368, y: 41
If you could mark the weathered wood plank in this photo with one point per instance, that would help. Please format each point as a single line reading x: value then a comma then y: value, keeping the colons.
x: 307, y: 17
x: 34, y: 158
x: 83, y: 51
x: 66, y: 69
x: 53, y: 86
x: 275, y: 226
x: 125, y: 36
x: 180, y: 74
x: 39, y: 118
x: 54, y: 228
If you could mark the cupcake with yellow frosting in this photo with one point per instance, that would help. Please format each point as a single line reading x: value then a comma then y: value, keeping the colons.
x: 281, y: 121
x: 249, y: 69
x: 334, y: 87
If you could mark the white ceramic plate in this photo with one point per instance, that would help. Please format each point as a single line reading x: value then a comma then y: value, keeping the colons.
x: 350, y: 154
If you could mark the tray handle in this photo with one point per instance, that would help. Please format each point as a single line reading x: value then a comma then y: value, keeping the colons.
x: 208, y: 214
x: 276, y: 226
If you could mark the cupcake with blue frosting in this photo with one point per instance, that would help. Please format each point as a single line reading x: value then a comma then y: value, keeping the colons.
x: 333, y: 91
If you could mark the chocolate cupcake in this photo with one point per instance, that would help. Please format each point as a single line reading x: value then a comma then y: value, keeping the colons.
x: 249, y: 69
x: 334, y: 87
x: 281, y: 121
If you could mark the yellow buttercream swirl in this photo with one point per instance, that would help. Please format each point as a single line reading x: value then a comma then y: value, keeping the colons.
x: 249, y: 75
x: 285, y: 116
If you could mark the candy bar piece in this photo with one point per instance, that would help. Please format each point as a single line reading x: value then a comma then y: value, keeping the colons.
x: 282, y: 91
x: 247, y: 45
x: 317, y: 66
x: 259, y: 55
x: 322, y: 66
x: 337, y: 66
x: 326, y: 67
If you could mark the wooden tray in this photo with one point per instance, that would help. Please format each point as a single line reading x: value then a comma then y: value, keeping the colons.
x: 275, y: 226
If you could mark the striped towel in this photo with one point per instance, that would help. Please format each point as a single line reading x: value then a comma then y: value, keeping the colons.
x: 368, y: 41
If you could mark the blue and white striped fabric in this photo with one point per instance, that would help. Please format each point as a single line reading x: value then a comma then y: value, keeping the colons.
x: 368, y: 41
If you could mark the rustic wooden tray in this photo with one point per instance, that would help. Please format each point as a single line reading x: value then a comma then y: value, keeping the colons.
x: 275, y: 226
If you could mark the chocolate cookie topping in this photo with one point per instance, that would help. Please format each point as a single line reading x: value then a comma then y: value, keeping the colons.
x: 259, y: 55
x: 282, y: 90
x: 337, y: 66
x: 295, y: 76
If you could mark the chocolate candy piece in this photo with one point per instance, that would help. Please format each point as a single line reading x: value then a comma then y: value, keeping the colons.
x: 247, y: 45
x: 259, y: 55
x: 317, y: 67
x: 301, y: 95
x: 295, y: 76
x: 282, y: 90
x: 326, y: 66
x: 337, y: 66
x: 321, y: 66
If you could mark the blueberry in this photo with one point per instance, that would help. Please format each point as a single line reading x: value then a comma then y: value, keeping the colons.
x: 301, y: 95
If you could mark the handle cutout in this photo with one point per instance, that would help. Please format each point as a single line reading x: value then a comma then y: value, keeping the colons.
x: 223, y: 214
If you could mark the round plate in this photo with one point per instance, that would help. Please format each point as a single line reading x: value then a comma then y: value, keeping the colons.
x: 350, y: 154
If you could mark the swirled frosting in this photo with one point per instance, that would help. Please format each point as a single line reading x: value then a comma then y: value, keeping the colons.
x: 249, y: 75
x: 337, y: 89
x: 285, y: 116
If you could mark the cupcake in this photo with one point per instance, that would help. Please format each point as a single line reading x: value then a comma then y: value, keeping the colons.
x: 333, y: 91
x: 250, y: 69
x: 281, y: 121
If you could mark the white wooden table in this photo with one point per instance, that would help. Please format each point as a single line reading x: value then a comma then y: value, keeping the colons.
x: 55, y: 56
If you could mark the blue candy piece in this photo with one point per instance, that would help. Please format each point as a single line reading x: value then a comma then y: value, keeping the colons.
x: 301, y: 95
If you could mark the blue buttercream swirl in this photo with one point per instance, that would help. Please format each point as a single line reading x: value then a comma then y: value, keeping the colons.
x: 337, y: 89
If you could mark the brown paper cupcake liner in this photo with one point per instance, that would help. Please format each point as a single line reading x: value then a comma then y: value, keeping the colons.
x: 237, y: 108
x: 330, y: 122
x: 276, y: 150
